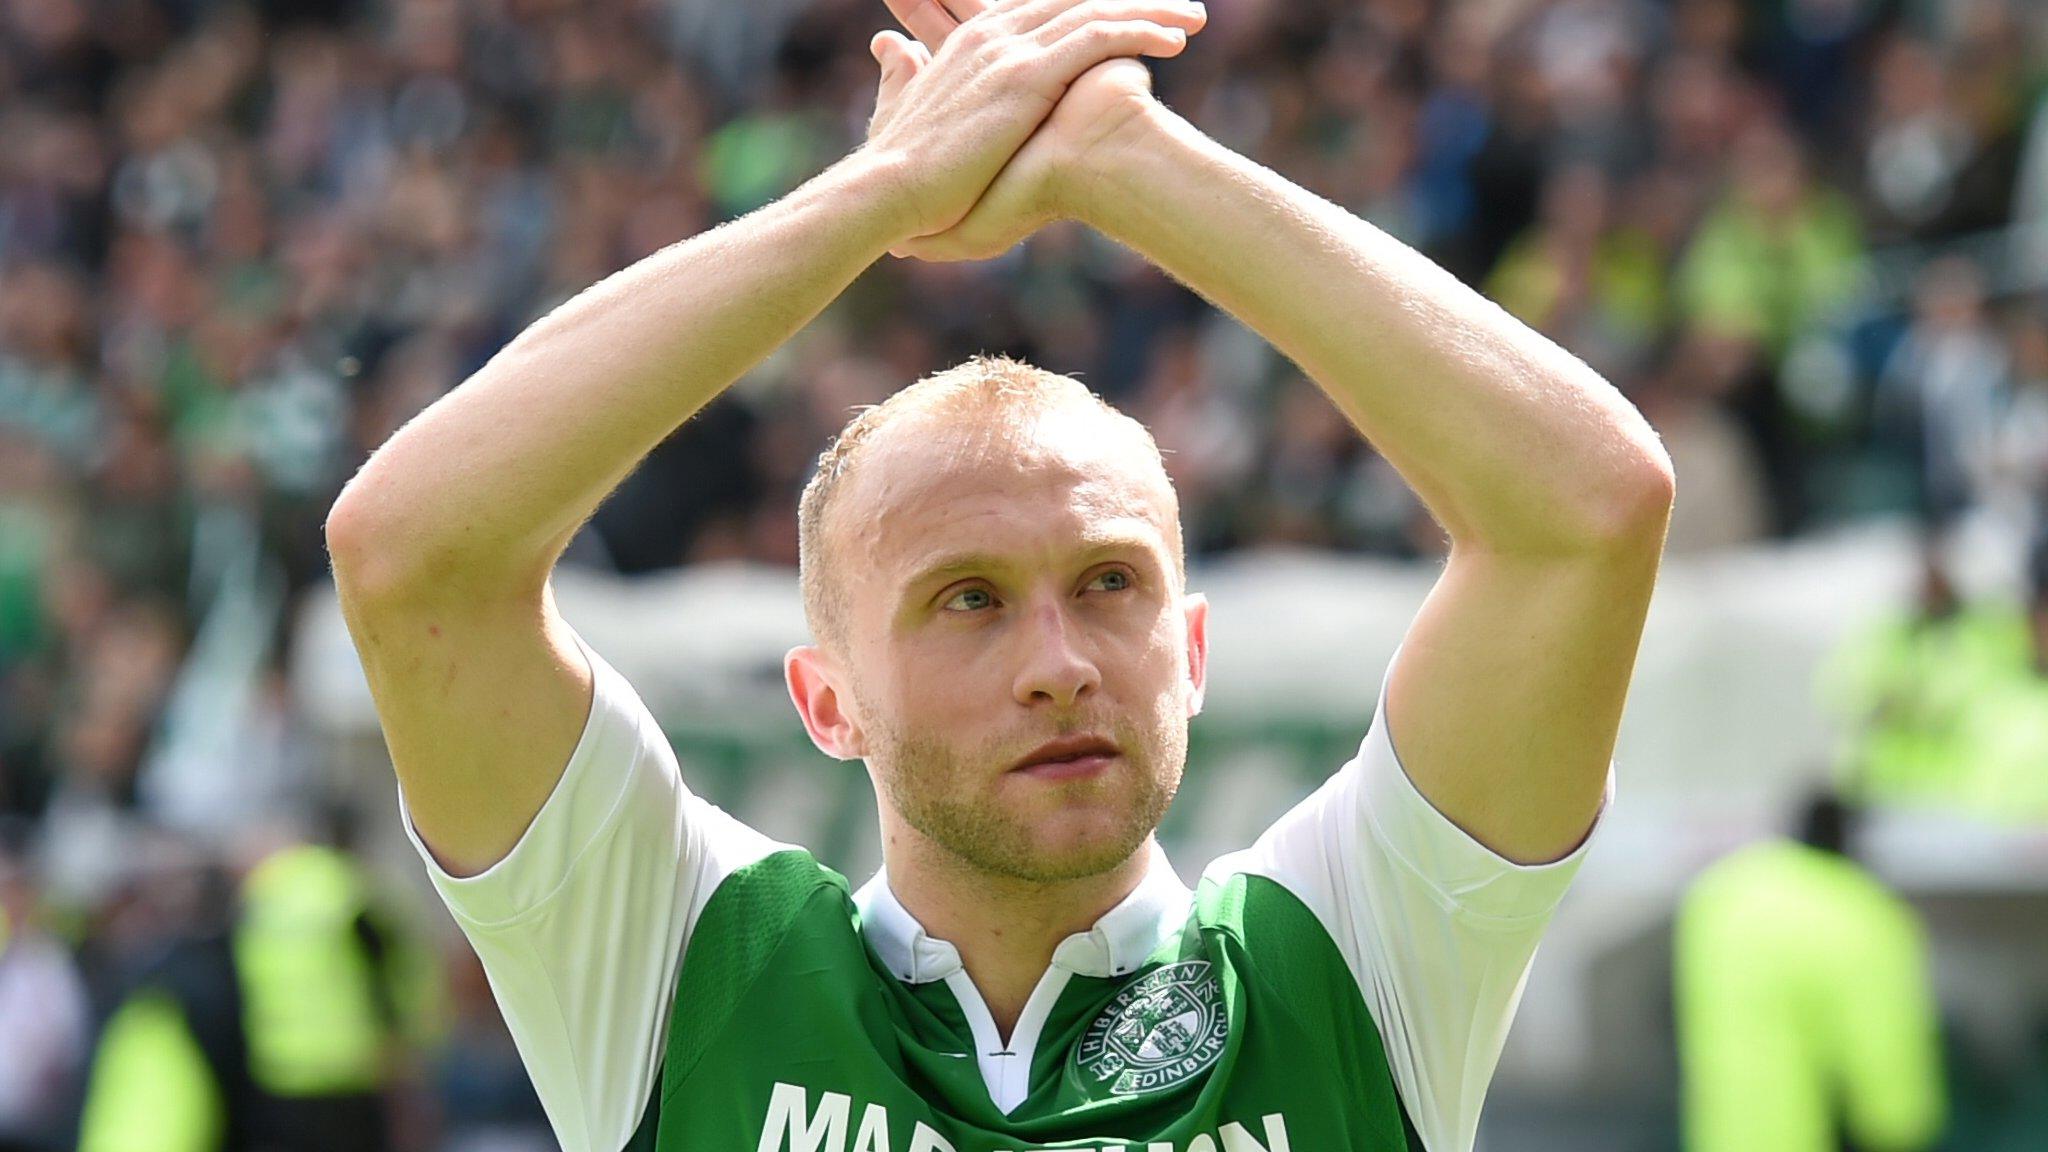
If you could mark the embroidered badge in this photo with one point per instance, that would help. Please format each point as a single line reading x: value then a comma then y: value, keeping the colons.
x: 1163, y: 1029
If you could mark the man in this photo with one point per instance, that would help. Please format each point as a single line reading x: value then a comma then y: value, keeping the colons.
x: 992, y: 572
x: 1926, y: 697
x: 1806, y: 1013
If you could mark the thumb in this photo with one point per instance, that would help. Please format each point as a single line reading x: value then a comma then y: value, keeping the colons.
x: 901, y: 61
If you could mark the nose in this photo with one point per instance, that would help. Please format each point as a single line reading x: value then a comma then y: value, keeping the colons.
x: 1056, y: 668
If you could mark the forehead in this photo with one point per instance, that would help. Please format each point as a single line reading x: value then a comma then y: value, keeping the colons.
x: 1069, y: 477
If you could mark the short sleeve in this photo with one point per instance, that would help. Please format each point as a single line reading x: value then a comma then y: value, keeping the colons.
x: 1438, y: 929
x: 581, y: 927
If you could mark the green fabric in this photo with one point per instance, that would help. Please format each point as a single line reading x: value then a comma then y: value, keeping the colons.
x: 310, y: 997
x: 150, y: 1088
x: 1804, y: 1005
x: 1245, y: 1033
x: 28, y: 540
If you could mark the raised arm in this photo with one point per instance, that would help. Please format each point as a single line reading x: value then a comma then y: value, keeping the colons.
x: 1506, y: 698
x: 443, y: 543
x: 1508, y: 693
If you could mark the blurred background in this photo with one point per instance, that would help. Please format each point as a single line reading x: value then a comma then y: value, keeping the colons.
x: 242, y: 242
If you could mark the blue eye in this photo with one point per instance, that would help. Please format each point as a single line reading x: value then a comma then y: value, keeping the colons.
x: 976, y: 599
x: 1118, y: 580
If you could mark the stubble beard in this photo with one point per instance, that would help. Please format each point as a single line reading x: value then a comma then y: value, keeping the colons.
x: 924, y: 783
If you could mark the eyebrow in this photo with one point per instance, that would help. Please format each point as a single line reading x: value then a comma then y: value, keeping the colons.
x: 954, y: 565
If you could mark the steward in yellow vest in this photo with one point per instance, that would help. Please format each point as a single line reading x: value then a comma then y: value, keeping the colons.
x: 324, y: 995
x: 1806, y: 1020
x: 1909, y: 692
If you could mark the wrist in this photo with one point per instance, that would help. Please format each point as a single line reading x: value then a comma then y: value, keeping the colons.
x: 1120, y: 163
x: 874, y: 187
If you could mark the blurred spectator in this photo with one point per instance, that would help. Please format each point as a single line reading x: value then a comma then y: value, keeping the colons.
x: 277, y: 1019
x: 1944, y: 389
x: 1948, y: 705
x: 1904, y: 688
x: 42, y: 1013
x: 2020, y: 463
x: 1776, y: 252
x: 1582, y: 280
x: 170, y: 1070
x: 334, y: 996
x: 1947, y: 124
x: 1806, y: 1016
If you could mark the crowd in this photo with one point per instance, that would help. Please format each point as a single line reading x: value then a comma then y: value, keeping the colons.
x: 242, y: 242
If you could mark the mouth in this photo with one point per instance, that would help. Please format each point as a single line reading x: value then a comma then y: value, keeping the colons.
x: 1068, y: 758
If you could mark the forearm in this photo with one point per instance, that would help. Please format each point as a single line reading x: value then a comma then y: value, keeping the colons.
x: 484, y: 488
x: 1514, y: 444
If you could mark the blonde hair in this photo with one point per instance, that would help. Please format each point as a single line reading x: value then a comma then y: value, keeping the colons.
x: 989, y: 391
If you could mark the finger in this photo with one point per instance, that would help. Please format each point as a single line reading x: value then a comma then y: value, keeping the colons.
x: 1188, y: 17
x: 897, y: 71
x: 928, y: 20
x: 1033, y: 14
x: 965, y: 10
x: 901, y: 59
x: 1092, y: 43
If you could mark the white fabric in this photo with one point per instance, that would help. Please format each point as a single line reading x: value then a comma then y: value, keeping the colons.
x: 1437, y: 928
x: 1120, y: 941
x: 581, y: 926
x: 1156, y: 910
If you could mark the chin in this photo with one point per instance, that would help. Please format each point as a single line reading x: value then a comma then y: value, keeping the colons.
x: 1072, y: 849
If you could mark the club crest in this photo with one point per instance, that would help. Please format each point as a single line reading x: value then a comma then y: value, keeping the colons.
x: 1165, y: 1028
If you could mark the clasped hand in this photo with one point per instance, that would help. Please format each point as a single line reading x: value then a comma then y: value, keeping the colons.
x: 994, y: 108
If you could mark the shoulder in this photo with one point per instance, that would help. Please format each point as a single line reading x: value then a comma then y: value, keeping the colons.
x: 752, y: 916
x: 782, y: 904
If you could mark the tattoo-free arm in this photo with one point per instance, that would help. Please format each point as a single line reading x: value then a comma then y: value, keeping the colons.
x: 1554, y: 490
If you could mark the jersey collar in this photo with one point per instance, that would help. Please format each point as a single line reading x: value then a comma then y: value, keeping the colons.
x: 1154, y: 912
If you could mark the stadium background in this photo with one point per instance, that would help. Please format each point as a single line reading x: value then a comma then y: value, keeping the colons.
x: 241, y: 243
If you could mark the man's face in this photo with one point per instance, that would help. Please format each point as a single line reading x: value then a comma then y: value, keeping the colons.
x: 1002, y: 592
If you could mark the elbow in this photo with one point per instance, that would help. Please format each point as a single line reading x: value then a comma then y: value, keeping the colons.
x: 376, y: 558
x: 362, y: 570
x: 1632, y: 509
x: 383, y: 558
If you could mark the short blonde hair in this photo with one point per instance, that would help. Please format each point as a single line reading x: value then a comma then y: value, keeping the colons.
x: 990, y: 391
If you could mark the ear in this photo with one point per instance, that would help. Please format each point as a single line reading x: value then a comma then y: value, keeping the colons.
x: 817, y: 698
x: 1196, y: 607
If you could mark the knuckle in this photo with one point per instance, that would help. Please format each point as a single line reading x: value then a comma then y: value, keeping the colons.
x: 1078, y: 17
x: 1010, y: 71
x: 978, y: 33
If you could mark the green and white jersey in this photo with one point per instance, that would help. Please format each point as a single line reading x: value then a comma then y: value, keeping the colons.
x: 678, y: 982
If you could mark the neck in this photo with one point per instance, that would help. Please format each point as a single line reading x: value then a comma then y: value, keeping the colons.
x: 1005, y: 929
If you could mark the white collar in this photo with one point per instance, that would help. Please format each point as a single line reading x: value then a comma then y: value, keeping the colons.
x: 1156, y: 910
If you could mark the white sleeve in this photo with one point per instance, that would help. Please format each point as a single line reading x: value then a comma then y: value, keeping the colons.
x: 581, y: 926
x: 1437, y: 929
